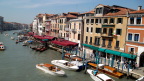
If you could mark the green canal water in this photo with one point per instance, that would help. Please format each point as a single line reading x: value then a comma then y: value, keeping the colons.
x: 17, y: 63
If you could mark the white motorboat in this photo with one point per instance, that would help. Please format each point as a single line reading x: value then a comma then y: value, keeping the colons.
x: 73, y: 65
x: 98, y: 77
x: 2, y: 47
x: 12, y: 38
x: 51, y: 69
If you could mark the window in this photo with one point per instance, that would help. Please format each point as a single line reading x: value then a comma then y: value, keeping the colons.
x: 136, y: 37
x: 96, y: 20
x: 86, y: 39
x: 117, y: 44
x: 91, y: 29
x: 105, y: 21
x: 104, y: 30
x: 100, y: 20
x: 74, y: 25
x: 90, y: 40
x: 131, y: 50
x: 98, y: 30
x: 130, y: 36
x: 92, y: 20
x: 97, y: 41
x: 109, y: 43
x: 119, y: 20
x: 79, y: 26
x: 132, y: 20
x: 118, y: 31
x: 87, y: 29
x: 103, y: 43
x: 112, y: 20
x: 138, y: 20
x: 78, y: 36
x: 87, y: 20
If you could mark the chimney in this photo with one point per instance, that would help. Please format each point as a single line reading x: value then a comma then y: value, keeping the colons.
x: 139, y: 7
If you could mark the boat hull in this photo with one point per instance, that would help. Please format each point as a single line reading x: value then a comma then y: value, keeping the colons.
x: 69, y: 67
x: 58, y: 73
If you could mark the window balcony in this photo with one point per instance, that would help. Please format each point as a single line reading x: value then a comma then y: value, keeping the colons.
x: 109, y: 46
x: 108, y: 25
x: 86, y: 42
x: 117, y: 48
x: 90, y: 43
x: 67, y: 29
x: 103, y: 45
x: 96, y: 44
x: 74, y: 30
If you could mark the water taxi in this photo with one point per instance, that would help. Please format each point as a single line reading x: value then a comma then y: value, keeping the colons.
x: 107, y: 70
x: 73, y: 65
x: 2, y: 47
x: 98, y: 77
x: 51, y: 69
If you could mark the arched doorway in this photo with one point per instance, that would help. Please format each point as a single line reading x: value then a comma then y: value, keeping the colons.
x: 141, y: 64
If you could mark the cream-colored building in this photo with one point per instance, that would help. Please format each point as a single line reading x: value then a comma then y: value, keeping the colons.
x: 106, y: 29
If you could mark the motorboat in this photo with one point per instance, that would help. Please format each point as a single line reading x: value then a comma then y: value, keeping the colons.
x: 12, y: 38
x: 2, y: 47
x: 51, y: 69
x: 98, y: 76
x: 107, y: 70
x: 70, y: 65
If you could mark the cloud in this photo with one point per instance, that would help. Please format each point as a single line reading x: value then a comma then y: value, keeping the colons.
x: 52, y: 2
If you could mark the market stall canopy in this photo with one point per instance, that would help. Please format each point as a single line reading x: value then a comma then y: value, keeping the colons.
x: 44, y: 37
x: 63, y: 42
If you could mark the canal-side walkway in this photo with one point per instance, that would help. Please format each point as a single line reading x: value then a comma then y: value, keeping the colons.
x: 136, y: 73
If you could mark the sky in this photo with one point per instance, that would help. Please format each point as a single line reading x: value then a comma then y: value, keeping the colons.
x: 24, y: 11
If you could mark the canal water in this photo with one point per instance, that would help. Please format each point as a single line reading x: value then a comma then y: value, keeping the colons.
x: 17, y: 63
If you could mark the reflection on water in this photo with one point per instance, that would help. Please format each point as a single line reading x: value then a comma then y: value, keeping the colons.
x: 17, y: 63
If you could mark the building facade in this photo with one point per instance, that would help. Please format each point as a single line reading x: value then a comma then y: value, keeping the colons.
x: 135, y: 35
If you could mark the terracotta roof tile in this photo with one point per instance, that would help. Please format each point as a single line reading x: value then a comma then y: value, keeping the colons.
x: 91, y: 12
x: 121, y: 11
x: 138, y: 11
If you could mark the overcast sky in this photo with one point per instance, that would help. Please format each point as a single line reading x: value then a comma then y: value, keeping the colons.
x: 24, y: 11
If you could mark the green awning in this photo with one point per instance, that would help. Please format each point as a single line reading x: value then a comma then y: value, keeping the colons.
x: 113, y: 52
x: 101, y: 49
x: 128, y: 55
x: 94, y: 48
x: 45, y: 40
x: 86, y: 45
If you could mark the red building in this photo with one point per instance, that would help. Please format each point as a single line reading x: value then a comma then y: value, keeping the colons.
x: 135, y: 35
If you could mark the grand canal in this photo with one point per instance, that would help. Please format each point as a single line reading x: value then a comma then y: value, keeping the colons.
x: 17, y: 63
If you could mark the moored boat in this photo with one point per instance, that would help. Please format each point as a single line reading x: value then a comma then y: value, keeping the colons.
x: 73, y: 65
x: 98, y: 77
x: 2, y: 47
x: 107, y: 70
x: 51, y: 69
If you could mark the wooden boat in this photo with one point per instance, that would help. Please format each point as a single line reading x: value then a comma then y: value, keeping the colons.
x: 51, y: 69
x: 98, y: 77
x: 73, y: 65
x: 2, y: 47
x: 33, y: 47
x: 43, y: 49
x: 107, y: 70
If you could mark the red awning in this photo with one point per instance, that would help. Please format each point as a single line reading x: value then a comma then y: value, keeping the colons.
x: 43, y: 37
x: 63, y: 42
x: 31, y: 33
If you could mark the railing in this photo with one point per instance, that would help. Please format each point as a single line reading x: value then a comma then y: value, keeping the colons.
x: 74, y: 30
x: 117, y: 48
x: 67, y: 29
x: 109, y: 46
